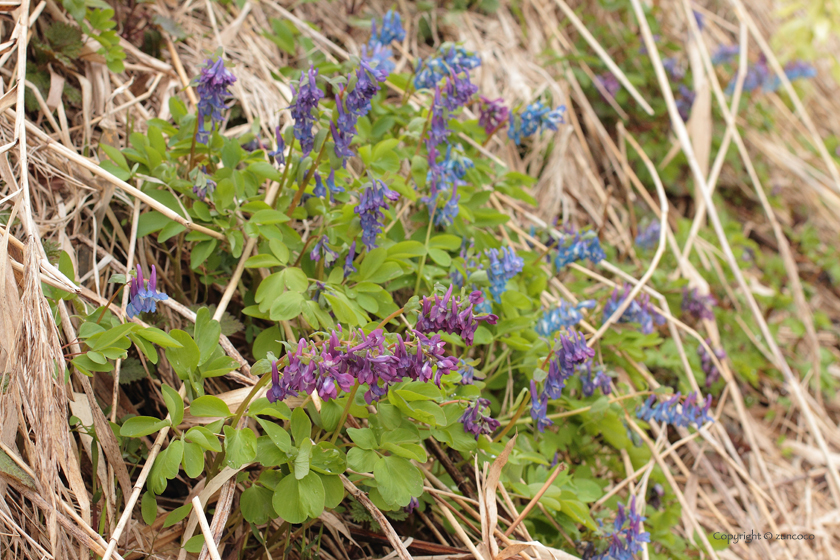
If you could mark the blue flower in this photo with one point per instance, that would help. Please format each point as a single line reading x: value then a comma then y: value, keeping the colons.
x: 445, y: 216
x: 564, y: 315
x: 535, y: 116
x: 693, y: 411
x: 392, y: 30
x: 450, y: 59
x: 369, y: 209
x: 648, y: 237
x: 467, y: 372
x: 575, y: 246
x: 639, y: 311
x: 349, y: 268
x: 725, y: 53
x: 277, y: 153
x: 502, y: 268
x: 319, y: 189
x: 697, y: 305
x: 539, y: 408
x: 212, y: 89
x: 625, y: 541
x: 571, y: 352
x: 304, y: 109
x: 143, y: 299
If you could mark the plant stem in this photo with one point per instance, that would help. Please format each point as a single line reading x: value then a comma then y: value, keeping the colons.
x: 423, y: 258
x: 513, y: 420
x: 389, y: 317
x: 346, y: 412
x: 110, y: 301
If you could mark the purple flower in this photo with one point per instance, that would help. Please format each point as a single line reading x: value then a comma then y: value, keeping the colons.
x: 609, y: 82
x: 449, y: 211
x: 592, y: 378
x: 648, y: 237
x: 477, y: 421
x: 204, y: 185
x: 794, y: 70
x: 321, y: 248
x: 212, y: 88
x: 451, y: 315
x: 502, y: 269
x: 757, y: 75
x: 706, y: 363
x: 305, y: 109
x: 539, y: 408
x: 459, y: 91
x: 371, y: 201
x: 348, y: 262
x: 492, y: 114
x: 143, y: 298
x: 639, y: 311
x: 358, y: 100
x: 672, y: 66
x: 624, y: 542
x: 725, y: 53
x: 575, y: 246
x: 697, y: 305
x: 413, y: 504
x: 685, y: 101
x: 691, y: 412
x: 279, y: 389
x: 319, y: 189
x: 571, y: 352
x: 277, y: 153
x: 467, y: 373
x: 698, y: 17
x: 439, y: 130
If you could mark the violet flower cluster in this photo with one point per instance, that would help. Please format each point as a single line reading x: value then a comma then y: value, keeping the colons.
x: 503, y: 267
x: 575, y: 246
x: 759, y: 75
x: 467, y: 372
x: 692, y: 412
x: 278, y: 152
x: 477, y: 420
x: 365, y: 359
x: 571, y: 352
x: 706, y: 363
x: 452, y: 315
x: 492, y: 114
x: 305, y: 109
x: 564, y: 315
x: 322, y: 249
x: 371, y: 203
x: 446, y: 175
x: 143, y: 297
x: 594, y: 377
x: 349, y: 267
x: 648, y: 237
x: 536, y: 116
x: 609, y: 82
x: 626, y: 537
x: 640, y: 310
x: 212, y: 88
x: 319, y: 189
x: 697, y: 305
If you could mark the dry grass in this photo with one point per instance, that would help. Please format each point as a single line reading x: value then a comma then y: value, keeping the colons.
x: 731, y: 477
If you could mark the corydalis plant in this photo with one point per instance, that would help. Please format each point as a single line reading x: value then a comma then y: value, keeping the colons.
x: 212, y: 88
x: 692, y: 412
x: 536, y: 116
x: 503, y: 267
x: 564, y: 315
x: 305, y: 109
x: 371, y: 203
x: 639, y: 311
x: 574, y: 245
x: 452, y: 315
x: 143, y: 297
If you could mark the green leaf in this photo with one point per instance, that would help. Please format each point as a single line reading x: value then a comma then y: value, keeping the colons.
x: 268, y: 217
x: 174, y: 404
x: 287, y: 306
x: 240, y: 446
x: 201, y: 251
x: 362, y: 460
x: 255, y: 504
x: 140, y: 426
x: 262, y: 261
x: 407, y: 450
x: 277, y: 409
x: 183, y: 360
x: 407, y: 249
x: 301, y: 426
x: 112, y: 337
x: 364, y: 438
x: 148, y: 507
x: 209, y: 406
x: 177, y: 515
x: 159, y: 337
x: 297, y: 500
x: 302, y: 460
x: 204, y: 437
x: 440, y: 256
x: 578, y: 512
x: 371, y: 263
x: 333, y: 491
x: 278, y: 435
x: 207, y: 332
x: 328, y: 459
x: 445, y: 241
x: 193, y: 460
x: 397, y: 480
